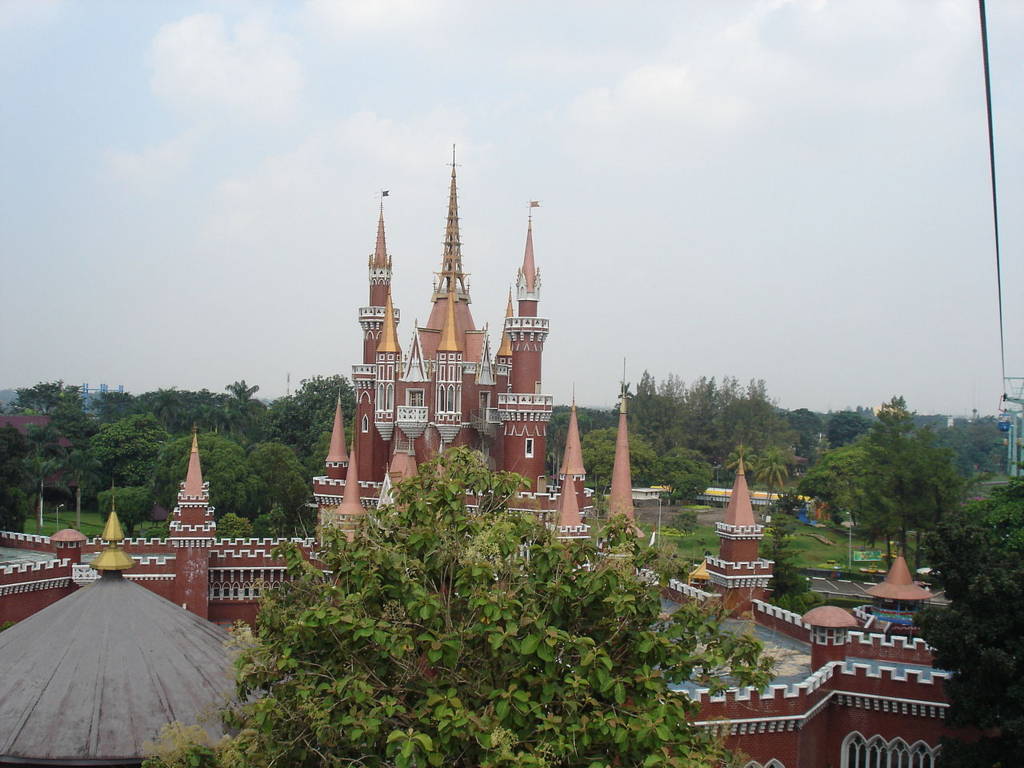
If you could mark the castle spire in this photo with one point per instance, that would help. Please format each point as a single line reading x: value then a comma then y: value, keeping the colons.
x: 194, y: 477
x: 350, y: 504
x: 529, y: 268
x: 572, y: 463
x: 337, y: 451
x: 451, y: 259
x: 620, y: 501
x: 113, y: 558
x: 380, y: 259
x: 505, y: 348
x: 388, y: 336
x: 568, y: 508
x: 449, y: 334
x: 739, y: 510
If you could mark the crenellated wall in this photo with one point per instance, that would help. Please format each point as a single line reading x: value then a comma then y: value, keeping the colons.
x: 26, y: 588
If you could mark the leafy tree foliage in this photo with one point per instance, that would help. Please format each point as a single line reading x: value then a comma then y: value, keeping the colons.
x: 789, y: 586
x: 448, y: 638
x: 134, y: 504
x: 599, y: 457
x: 808, y: 426
x: 300, y: 420
x: 127, y: 450
x: 231, y: 526
x: 234, y: 487
x: 844, y: 427
x: 285, y: 483
x: 14, y: 481
x: 42, y: 399
x: 684, y: 470
x: 839, y: 480
x: 979, y: 554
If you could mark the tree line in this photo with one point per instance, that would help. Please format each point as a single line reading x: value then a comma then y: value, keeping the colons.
x: 259, y: 457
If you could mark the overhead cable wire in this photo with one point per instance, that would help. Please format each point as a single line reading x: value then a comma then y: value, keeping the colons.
x: 992, y: 173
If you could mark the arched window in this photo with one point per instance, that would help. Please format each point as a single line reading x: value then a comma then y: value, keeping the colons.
x: 391, y: 397
x: 877, y: 752
x: 365, y: 425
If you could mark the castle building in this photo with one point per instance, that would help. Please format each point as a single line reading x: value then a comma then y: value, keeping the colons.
x: 447, y: 386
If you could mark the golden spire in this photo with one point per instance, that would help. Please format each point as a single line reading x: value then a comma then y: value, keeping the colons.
x: 388, y: 336
x: 195, y: 439
x: 113, y: 558
x: 505, y: 348
x: 449, y: 334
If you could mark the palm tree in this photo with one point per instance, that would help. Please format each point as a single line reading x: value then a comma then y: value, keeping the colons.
x: 242, y: 408
x: 772, y: 469
x: 84, y: 469
x: 166, y: 406
x: 741, y: 453
x: 39, y: 467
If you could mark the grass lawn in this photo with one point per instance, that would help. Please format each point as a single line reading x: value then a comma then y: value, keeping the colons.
x: 92, y: 522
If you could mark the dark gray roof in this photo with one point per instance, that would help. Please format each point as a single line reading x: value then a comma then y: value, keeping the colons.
x: 94, y: 676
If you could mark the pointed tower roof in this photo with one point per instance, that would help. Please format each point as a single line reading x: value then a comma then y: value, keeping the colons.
x: 337, y: 450
x: 899, y: 585
x: 739, y: 510
x: 388, y: 335
x: 572, y: 463
x: 379, y: 259
x: 568, y: 507
x: 113, y: 558
x: 485, y: 371
x: 529, y: 267
x: 449, y: 335
x: 350, y: 504
x: 194, y: 476
x: 505, y: 348
x: 620, y: 501
x: 452, y: 277
x: 415, y: 370
x: 403, y: 466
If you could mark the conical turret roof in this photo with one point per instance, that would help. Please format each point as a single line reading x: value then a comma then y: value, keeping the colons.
x: 529, y: 268
x: 194, y: 476
x: 350, y: 503
x: 899, y: 584
x: 568, y: 506
x: 739, y: 510
x: 572, y: 463
x: 337, y: 452
x: 450, y: 341
x: 505, y: 348
x: 379, y: 259
x: 388, y: 335
x: 620, y: 501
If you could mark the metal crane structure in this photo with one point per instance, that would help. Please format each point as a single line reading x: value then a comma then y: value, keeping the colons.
x: 1011, y: 423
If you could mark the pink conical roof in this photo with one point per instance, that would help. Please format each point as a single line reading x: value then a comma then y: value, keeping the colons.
x: 337, y: 451
x: 350, y: 504
x: 572, y: 463
x: 899, y: 584
x: 568, y: 506
x: 620, y: 502
x: 529, y: 268
x: 379, y: 259
x: 403, y: 465
x: 194, y: 476
x: 739, y: 510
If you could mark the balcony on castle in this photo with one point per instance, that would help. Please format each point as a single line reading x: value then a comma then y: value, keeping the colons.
x: 510, y: 399
x: 364, y: 371
x: 728, y: 531
x: 485, y: 422
x: 376, y: 313
x: 527, y: 324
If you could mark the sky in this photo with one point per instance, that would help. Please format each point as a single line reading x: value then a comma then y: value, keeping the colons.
x: 792, y: 190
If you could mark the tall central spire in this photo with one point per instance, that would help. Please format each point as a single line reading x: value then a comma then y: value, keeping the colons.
x: 452, y: 276
x: 380, y: 258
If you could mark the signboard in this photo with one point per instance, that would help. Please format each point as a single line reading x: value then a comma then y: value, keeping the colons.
x: 867, y: 555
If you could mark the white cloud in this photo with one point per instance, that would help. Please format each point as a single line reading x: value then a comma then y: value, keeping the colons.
x: 150, y: 169
x: 200, y: 66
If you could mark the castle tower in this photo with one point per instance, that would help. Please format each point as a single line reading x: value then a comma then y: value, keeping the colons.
x: 620, y: 500
x: 568, y: 521
x: 371, y: 318
x: 448, y: 376
x: 192, y: 521
x: 738, y: 573
x: 193, y: 531
x: 830, y: 626
x: 389, y: 360
x: 452, y: 278
x: 572, y: 473
x: 347, y: 514
x: 336, y: 463
x: 524, y: 410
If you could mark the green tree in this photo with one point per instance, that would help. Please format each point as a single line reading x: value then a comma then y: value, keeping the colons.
x: 41, y: 399
x: 839, y: 480
x: 83, y: 470
x: 978, y: 551
x: 789, y: 585
x: 808, y: 426
x: 231, y: 526
x: 844, y: 427
x: 44, y: 461
x: 134, y: 504
x: 599, y: 457
x: 112, y: 406
x: 301, y: 419
x: 284, y: 483
x: 772, y: 468
x: 14, y: 499
x: 234, y: 487
x: 431, y: 640
x: 244, y: 412
x: 127, y: 449
x: 687, y: 473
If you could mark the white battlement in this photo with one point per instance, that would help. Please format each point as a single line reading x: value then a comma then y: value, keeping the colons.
x: 36, y: 567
